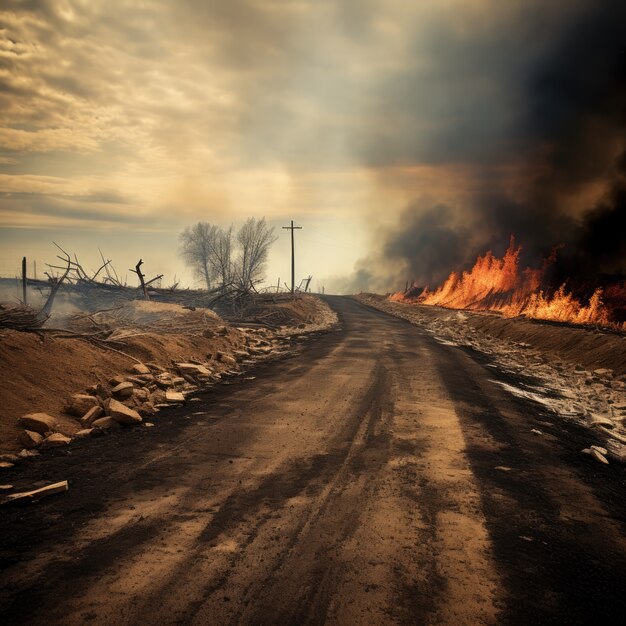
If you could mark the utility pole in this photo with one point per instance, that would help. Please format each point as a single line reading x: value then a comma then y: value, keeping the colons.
x: 24, y: 279
x: 293, y: 261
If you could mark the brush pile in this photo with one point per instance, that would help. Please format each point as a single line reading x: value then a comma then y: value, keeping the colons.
x: 20, y: 317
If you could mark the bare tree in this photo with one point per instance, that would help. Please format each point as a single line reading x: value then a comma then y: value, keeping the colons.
x: 196, y: 244
x: 220, y: 256
x: 254, y: 238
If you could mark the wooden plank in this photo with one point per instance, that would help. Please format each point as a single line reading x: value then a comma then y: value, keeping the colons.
x: 31, y: 496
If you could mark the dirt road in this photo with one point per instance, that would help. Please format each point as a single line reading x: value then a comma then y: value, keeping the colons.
x: 377, y: 477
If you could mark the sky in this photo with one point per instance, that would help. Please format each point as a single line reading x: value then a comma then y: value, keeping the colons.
x: 402, y: 136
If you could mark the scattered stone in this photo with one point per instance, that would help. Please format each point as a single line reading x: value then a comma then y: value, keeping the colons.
x: 164, y: 381
x: 80, y: 403
x: 85, y: 432
x: 93, y: 414
x: 6, y: 465
x: 225, y: 358
x: 617, y: 453
x: 193, y: 368
x: 55, y: 440
x: 141, y: 395
x: 27, y: 454
x: 601, y: 420
x: 178, y: 380
x: 116, y: 380
x: 39, y: 422
x: 503, y: 468
x: 105, y: 422
x: 174, y: 396
x: 123, y: 390
x: 30, y: 439
x: 598, y: 456
x: 140, y: 368
x: 600, y: 449
x: 102, y: 392
x: 148, y: 424
x: 536, y: 431
x: 603, y: 371
x: 157, y: 396
x: 155, y: 367
x: 146, y: 409
x: 123, y: 414
x: 6, y: 487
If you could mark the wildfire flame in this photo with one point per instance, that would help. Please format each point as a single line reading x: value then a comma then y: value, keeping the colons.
x: 498, y: 284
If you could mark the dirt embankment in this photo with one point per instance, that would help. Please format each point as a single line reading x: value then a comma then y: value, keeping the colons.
x: 41, y: 371
x: 576, y: 373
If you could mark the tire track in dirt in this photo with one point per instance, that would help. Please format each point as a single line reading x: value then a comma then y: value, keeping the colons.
x: 353, y: 484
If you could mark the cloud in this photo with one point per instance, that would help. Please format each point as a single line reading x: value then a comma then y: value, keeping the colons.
x: 441, y: 126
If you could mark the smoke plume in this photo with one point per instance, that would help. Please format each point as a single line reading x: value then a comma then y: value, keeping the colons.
x: 563, y: 158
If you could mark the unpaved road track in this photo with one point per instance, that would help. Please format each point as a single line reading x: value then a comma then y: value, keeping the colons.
x: 354, y: 483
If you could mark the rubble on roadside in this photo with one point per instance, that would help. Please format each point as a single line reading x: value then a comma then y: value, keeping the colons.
x: 125, y: 399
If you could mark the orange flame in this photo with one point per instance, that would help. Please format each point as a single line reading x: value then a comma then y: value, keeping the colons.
x: 498, y: 284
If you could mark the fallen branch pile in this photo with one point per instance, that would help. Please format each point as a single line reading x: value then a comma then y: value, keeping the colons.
x: 20, y: 317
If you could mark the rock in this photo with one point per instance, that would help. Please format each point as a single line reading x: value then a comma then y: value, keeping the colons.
x: 102, y: 392
x: 55, y: 440
x: 603, y: 371
x: 164, y: 381
x: 80, y: 403
x: 617, y: 453
x: 601, y: 420
x: 123, y: 414
x: 9, y: 458
x: 229, y: 360
x: 193, y: 368
x: 141, y: 395
x: 6, y: 487
x: 140, y: 368
x: 105, y: 422
x: 85, y: 432
x: 39, y: 422
x: 536, y: 431
x: 174, y: 396
x: 30, y: 439
x: 155, y: 367
x: 598, y: 456
x: 600, y: 449
x: 208, y: 333
x: 6, y: 465
x: 157, y: 396
x: 116, y: 380
x: 178, y: 380
x: 146, y: 409
x: 123, y: 390
x: 93, y: 414
x: 27, y: 454
x: 148, y: 424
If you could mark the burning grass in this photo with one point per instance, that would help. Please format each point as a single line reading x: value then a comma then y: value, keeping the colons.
x: 499, y: 284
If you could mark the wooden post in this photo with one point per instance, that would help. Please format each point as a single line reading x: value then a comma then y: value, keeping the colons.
x: 278, y: 285
x: 24, y: 294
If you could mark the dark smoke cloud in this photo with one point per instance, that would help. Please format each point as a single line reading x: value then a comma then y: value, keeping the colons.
x: 564, y: 133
